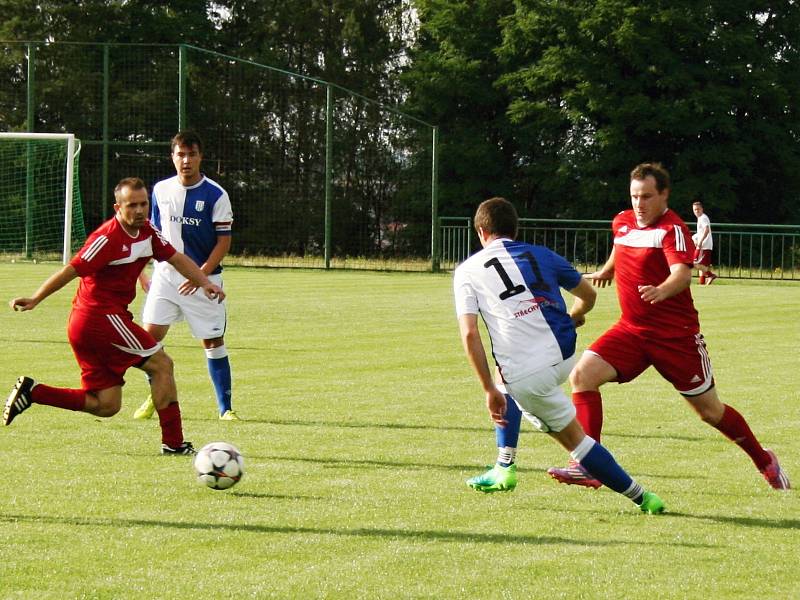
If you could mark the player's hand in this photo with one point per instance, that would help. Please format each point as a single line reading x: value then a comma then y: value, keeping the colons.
x: 187, y: 288
x: 214, y: 292
x: 696, y: 258
x: 600, y: 278
x: 23, y: 304
x: 652, y: 294
x: 496, y: 403
x: 144, y: 283
x: 578, y: 320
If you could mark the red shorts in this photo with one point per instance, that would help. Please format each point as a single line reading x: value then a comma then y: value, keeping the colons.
x: 704, y: 257
x: 106, y: 346
x: 683, y: 361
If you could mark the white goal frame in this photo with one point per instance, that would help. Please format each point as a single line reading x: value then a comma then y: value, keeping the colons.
x: 72, y: 153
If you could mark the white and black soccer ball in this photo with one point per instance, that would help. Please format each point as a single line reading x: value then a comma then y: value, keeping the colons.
x: 219, y: 465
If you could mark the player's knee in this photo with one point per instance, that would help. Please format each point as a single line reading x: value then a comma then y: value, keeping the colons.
x: 159, y: 363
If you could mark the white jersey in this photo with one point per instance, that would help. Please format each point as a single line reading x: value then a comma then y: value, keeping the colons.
x: 191, y: 218
x: 515, y: 287
x: 702, y: 222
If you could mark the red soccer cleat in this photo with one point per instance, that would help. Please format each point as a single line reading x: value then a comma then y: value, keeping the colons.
x: 574, y: 474
x: 773, y: 473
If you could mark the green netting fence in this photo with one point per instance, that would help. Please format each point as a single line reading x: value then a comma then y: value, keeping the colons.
x: 318, y: 175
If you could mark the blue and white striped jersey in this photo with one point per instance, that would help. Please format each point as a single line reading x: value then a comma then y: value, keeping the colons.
x: 191, y: 218
x: 515, y: 287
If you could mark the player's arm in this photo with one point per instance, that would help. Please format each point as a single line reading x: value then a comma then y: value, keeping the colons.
x: 680, y: 277
x: 604, y: 276
x: 220, y: 251
x: 52, y: 284
x: 187, y: 267
x: 585, y: 296
x: 476, y: 355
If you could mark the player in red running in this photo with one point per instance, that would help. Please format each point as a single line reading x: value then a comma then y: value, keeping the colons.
x: 105, y: 340
x: 659, y: 326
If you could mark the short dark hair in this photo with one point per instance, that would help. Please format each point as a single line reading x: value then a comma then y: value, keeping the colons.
x: 656, y: 170
x: 497, y: 216
x: 130, y: 182
x: 186, y: 137
x: 697, y: 202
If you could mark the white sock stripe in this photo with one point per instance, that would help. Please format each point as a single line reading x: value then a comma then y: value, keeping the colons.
x: 218, y: 352
x: 582, y: 449
x: 633, y: 490
x: 124, y: 332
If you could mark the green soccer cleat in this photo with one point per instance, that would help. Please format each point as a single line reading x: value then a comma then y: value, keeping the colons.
x: 496, y: 479
x: 146, y: 410
x: 651, y: 504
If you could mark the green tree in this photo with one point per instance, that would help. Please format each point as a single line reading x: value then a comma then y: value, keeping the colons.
x: 708, y: 88
x: 452, y: 82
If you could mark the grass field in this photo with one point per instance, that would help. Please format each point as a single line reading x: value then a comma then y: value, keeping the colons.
x: 363, y: 421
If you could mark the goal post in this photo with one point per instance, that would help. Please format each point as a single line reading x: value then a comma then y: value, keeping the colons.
x: 40, y: 203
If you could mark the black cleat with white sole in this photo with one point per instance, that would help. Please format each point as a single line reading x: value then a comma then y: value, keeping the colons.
x: 19, y: 400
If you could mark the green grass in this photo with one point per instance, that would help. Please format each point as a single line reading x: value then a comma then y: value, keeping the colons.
x: 363, y: 421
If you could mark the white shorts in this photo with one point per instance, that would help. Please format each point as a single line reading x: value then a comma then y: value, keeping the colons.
x: 540, y: 394
x: 164, y: 306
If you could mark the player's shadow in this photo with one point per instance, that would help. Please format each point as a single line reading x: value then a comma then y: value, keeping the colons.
x: 361, y: 425
x: 741, y: 521
x: 458, y: 537
x: 350, y: 462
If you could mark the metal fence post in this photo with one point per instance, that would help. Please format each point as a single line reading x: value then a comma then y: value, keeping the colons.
x: 182, y: 76
x: 435, y: 245
x: 328, y: 171
x: 31, y: 126
x: 106, y: 86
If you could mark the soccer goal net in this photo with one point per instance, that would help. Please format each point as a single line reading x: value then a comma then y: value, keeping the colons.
x: 40, y: 201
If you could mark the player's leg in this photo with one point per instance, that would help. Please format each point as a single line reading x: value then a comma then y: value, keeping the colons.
x: 219, y: 370
x: 615, y: 356
x: 598, y: 461
x: 685, y: 363
x: 159, y: 367
x: 502, y: 477
x: 161, y: 309
x: 27, y: 391
x: 734, y: 426
x: 207, y: 320
x: 148, y: 408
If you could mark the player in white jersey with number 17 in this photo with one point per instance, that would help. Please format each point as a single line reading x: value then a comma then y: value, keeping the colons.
x: 515, y: 287
x: 194, y: 214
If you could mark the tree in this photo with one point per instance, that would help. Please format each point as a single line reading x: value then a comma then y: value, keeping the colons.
x: 708, y: 88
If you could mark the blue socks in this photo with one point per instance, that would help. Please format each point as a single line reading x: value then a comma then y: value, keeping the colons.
x: 219, y: 368
x: 602, y: 465
x: 508, y: 436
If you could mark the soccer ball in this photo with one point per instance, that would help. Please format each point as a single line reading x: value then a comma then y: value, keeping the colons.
x: 219, y: 465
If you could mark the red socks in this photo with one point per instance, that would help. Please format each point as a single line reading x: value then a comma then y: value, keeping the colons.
x: 171, y: 426
x: 735, y: 428
x: 67, y: 398
x: 589, y: 412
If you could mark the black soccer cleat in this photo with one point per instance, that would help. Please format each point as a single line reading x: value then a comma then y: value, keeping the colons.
x: 19, y: 400
x: 185, y: 448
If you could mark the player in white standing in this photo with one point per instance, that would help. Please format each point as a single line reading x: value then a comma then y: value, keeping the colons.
x: 704, y: 245
x: 194, y: 214
x: 516, y: 288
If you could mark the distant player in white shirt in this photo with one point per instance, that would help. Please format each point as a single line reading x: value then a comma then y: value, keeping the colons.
x: 515, y: 287
x: 704, y: 245
x: 194, y: 214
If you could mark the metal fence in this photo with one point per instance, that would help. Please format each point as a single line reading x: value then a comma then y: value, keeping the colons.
x: 318, y: 175
x: 741, y: 251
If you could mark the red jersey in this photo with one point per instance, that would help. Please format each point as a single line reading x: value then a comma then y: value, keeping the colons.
x: 110, y: 263
x: 642, y: 256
